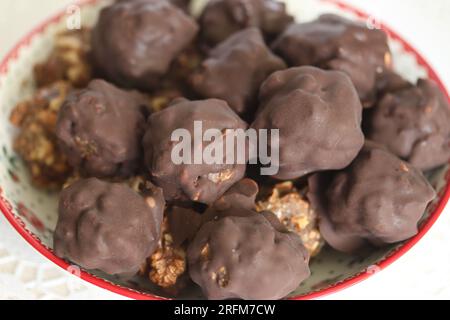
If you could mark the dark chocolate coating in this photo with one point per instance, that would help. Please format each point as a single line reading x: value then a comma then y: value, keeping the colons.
x: 100, y: 129
x: 183, y: 4
x: 378, y: 199
x: 333, y: 42
x: 241, y: 195
x: 134, y: 42
x: 183, y: 224
x: 318, y: 115
x: 235, y: 69
x: 198, y: 182
x: 389, y: 81
x: 248, y: 256
x: 414, y: 124
x: 107, y: 226
x: 222, y: 18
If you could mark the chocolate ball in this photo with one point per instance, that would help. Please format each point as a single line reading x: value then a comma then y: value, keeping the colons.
x: 247, y: 255
x: 413, y: 123
x: 378, y: 199
x: 100, y: 130
x: 318, y: 115
x: 192, y: 179
x: 134, y: 42
x: 235, y: 69
x: 221, y: 18
x: 107, y: 226
x: 333, y: 42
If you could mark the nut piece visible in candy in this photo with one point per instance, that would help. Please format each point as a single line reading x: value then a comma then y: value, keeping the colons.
x: 36, y: 141
x: 247, y: 255
x: 168, y: 262
x: 295, y: 212
x: 68, y: 61
x: 107, y: 226
x: 167, y: 265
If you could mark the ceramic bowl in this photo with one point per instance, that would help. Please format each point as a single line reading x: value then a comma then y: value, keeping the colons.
x: 33, y: 212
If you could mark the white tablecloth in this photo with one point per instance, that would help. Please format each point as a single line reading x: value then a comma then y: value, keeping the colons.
x: 423, y: 273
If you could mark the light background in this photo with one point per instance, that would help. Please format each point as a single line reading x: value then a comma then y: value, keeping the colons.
x: 423, y: 273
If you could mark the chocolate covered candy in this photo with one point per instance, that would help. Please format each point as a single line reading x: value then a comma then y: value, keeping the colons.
x: 413, y: 123
x: 107, y: 226
x: 318, y: 115
x: 193, y: 179
x: 333, y: 42
x: 247, y: 255
x: 222, y: 18
x: 100, y: 129
x: 235, y: 69
x: 134, y: 42
x: 378, y: 199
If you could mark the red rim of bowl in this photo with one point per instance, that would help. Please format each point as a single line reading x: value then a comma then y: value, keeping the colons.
x: 34, y: 241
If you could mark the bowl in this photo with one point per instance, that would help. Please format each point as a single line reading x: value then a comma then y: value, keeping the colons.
x: 33, y: 213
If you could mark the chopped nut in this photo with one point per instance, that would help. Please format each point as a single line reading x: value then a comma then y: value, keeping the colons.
x: 404, y: 167
x: 87, y: 148
x: 222, y: 277
x: 388, y: 59
x: 71, y: 179
x: 168, y: 263
x: 205, y: 252
x: 68, y: 61
x: 221, y: 176
x: 36, y: 141
x: 295, y: 212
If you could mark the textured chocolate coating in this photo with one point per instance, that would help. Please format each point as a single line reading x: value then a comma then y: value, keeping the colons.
x: 100, y: 129
x: 247, y: 255
x: 378, y: 199
x: 235, y: 69
x: 414, y: 123
x: 242, y: 194
x: 318, y: 114
x: 222, y: 18
x: 107, y: 226
x: 198, y: 182
x: 332, y: 42
x: 134, y: 42
x: 389, y: 81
